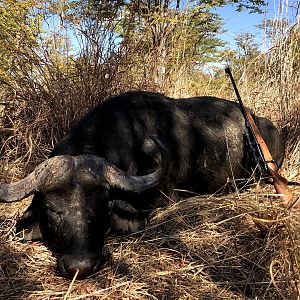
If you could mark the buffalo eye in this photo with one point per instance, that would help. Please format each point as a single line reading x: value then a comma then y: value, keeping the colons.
x: 53, y: 214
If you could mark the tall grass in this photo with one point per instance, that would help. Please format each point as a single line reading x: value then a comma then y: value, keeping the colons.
x: 269, y: 83
x: 52, y: 85
x: 272, y: 88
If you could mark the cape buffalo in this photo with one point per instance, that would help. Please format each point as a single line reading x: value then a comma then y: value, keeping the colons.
x: 111, y: 169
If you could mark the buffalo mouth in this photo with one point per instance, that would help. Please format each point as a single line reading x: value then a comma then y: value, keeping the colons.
x: 81, y: 266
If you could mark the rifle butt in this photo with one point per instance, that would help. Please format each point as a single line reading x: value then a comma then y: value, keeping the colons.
x: 280, y: 185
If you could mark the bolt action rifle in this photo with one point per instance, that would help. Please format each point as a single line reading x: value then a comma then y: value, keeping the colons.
x: 260, y: 153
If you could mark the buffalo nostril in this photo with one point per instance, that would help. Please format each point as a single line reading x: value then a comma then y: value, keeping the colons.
x: 70, y: 265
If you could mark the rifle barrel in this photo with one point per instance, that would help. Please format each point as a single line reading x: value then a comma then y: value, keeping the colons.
x: 228, y: 71
x: 249, y: 124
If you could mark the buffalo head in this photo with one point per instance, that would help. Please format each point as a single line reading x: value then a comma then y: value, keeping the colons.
x: 73, y: 194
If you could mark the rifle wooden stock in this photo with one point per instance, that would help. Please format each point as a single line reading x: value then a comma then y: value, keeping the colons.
x: 280, y: 183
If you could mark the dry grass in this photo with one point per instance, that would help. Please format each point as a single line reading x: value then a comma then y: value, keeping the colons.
x: 237, y: 246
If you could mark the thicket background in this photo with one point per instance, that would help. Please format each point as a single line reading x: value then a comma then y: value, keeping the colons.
x: 59, y: 58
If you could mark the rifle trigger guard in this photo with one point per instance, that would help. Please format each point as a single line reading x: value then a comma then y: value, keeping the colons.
x: 273, y: 161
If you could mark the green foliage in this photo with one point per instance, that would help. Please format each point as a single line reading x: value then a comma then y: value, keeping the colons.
x: 18, y: 31
x: 169, y: 37
x: 156, y: 39
x: 253, y: 6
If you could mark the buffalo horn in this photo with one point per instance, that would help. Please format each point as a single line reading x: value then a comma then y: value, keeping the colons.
x: 99, y: 169
x: 52, y: 172
x: 58, y: 171
x: 138, y: 184
x: 94, y: 170
x: 119, y: 179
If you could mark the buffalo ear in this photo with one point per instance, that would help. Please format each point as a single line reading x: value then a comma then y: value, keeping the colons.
x: 28, y: 226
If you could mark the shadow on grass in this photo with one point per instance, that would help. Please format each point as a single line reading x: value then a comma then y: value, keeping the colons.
x: 206, y: 252
x: 15, y: 281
